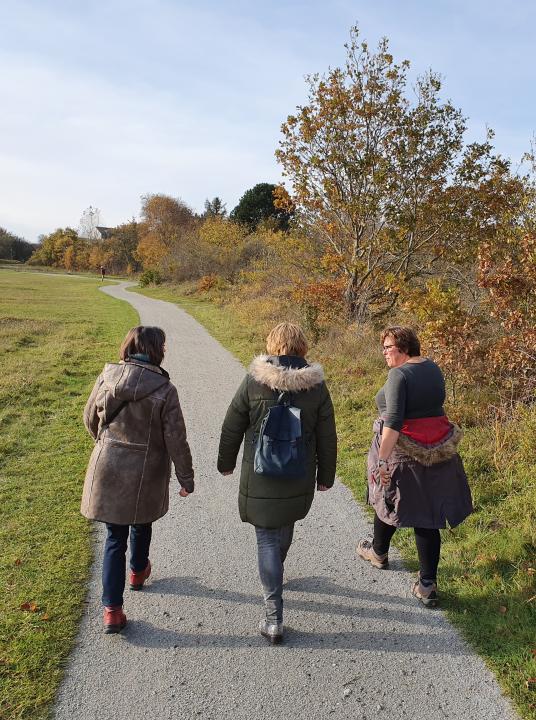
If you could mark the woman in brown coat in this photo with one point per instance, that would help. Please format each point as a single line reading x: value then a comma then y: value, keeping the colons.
x: 415, y: 475
x: 134, y: 416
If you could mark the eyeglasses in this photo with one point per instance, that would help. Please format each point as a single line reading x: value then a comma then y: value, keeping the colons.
x: 387, y: 347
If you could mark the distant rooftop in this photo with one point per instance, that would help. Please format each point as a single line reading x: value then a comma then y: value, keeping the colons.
x: 105, y: 232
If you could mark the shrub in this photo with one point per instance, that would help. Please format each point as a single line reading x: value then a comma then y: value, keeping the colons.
x: 207, y: 282
x: 150, y: 277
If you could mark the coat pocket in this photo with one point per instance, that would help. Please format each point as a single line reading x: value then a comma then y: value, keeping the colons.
x: 136, y: 447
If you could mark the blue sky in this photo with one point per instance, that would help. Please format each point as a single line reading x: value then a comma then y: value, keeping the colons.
x: 109, y: 100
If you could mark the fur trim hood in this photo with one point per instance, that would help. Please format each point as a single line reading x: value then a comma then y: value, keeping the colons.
x: 431, y: 454
x: 265, y: 370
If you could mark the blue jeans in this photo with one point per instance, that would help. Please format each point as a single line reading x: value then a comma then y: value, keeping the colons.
x: 113, y: 565
x: 272, y: 547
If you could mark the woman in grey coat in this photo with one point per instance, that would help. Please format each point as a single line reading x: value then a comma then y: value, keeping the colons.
x: 274, y: 503
x: 415, y: 475
x: 134, y: 416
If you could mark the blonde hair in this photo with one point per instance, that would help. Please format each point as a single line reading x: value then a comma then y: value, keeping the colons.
x: 286, y: 339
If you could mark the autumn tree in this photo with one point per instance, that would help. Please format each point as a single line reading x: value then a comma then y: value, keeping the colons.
x: 380, y: 175
x: 220, y: 246
x: 259, y: 204
x: 62, y: 248
x: 121, y: 247
x: 166, y: 226
x: 507, y: 274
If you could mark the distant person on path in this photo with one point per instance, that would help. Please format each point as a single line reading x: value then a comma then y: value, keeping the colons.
x: 415, y: 475
x: 273, y: 503
x: 102, y: 272
x: 134, y: 416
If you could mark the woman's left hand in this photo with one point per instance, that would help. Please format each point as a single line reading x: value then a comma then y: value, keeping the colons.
x: 322, y: 488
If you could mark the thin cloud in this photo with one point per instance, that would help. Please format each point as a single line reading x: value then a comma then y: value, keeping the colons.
x: 105, y: 101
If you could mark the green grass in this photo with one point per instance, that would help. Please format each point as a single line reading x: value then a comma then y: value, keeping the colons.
x: 56, y: 333
x: 49, y: 270
x: 486, y: 575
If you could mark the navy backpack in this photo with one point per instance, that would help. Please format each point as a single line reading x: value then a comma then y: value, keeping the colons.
x: 279, y: 449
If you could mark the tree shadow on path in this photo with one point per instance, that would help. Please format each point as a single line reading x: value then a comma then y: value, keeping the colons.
x: 430, y: 632
x: 140, y: 633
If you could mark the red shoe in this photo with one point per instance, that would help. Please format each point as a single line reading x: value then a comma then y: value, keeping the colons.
x: 114, y: 619
x: 138, y: 578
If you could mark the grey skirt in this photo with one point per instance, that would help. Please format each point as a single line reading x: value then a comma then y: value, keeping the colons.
x: 425, y: 496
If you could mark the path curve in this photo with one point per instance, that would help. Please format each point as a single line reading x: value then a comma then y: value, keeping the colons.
x: 358, y: 646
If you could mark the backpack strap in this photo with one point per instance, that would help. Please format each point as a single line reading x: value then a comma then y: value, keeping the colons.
x: 112, y: 417
x: 116, y: 412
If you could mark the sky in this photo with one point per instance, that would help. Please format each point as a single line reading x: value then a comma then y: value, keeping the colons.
x: 108, y: 100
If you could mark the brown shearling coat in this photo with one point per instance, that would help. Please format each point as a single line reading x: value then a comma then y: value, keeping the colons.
x: 127, y: 479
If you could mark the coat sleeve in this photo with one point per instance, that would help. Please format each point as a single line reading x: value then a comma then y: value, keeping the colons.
x: 175, y: 440
x: 326, y: 441
x: 91, y: 418
x: 234, y: 426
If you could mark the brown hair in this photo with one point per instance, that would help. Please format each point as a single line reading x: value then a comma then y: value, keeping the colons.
x: 405, y: 339
x: 144, y: 340
x: 286, y: 339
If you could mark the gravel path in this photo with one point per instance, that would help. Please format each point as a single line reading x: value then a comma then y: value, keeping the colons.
x: 358, y: 646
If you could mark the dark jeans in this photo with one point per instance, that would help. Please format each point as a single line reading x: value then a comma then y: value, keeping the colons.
x: 113, y: 565
x: 428, y: 547
x: 272, y: 548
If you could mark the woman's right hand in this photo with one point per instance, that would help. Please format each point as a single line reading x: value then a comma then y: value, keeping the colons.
x: 385, y: 475
x: 183, y: 492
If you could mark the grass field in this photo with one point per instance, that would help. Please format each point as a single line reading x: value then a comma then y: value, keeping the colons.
x: 488, y: 567
x: 56, y: 333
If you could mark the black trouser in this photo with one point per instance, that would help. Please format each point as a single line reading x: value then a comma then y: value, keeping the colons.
x: 428, y: 546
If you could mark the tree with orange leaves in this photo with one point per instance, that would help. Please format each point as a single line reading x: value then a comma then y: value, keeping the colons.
x: 387, y: 181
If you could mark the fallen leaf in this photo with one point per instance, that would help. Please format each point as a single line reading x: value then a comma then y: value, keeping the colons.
x: 29, y: 606
x: 531, y: 571
x: 531, y: 683
x: 503, y: 609
x: 45, y: 616
x: 18, y: 561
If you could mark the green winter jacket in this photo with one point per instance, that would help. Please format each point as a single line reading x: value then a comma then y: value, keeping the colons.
x: 273, y: 502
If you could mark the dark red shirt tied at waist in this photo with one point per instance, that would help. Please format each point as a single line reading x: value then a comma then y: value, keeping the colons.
x: 427, y: 430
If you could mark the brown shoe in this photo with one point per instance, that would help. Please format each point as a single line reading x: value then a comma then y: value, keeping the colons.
x: 114, y: 619
x: 365, y: 551
x: 426, y: 594
x: 137, y: 579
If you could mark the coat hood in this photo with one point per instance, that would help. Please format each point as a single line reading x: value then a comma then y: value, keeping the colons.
x: 132, y: 381
x: 266, y: 370
x: 431, y: 454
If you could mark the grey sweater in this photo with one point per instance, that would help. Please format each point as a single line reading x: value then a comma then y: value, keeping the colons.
x: 413, y: 390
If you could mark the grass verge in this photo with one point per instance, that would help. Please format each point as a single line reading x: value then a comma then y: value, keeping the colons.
x: 56, y: 334
x: 488, y: 567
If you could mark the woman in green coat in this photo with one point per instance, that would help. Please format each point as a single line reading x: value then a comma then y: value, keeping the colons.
x: 273, y: 503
